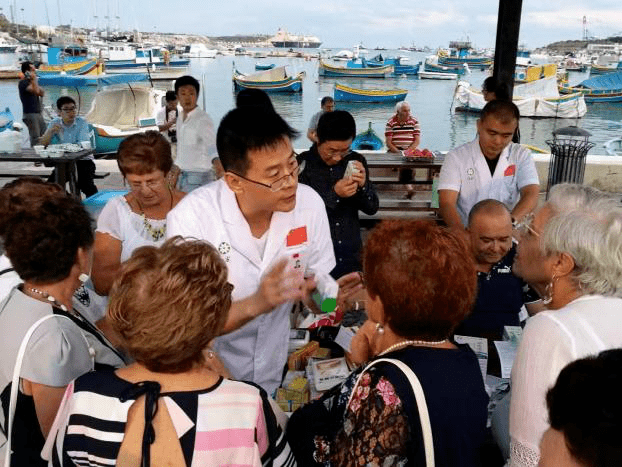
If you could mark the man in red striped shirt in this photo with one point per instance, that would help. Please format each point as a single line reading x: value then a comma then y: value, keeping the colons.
x: 402, y: 130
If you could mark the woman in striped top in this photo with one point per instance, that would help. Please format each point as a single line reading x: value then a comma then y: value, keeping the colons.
x: 170, y: 408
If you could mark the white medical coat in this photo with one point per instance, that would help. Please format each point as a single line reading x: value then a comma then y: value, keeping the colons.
x: 258, y: 350
x: 466, y: 171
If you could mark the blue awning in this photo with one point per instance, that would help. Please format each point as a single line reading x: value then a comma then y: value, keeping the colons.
x: 609, y: 81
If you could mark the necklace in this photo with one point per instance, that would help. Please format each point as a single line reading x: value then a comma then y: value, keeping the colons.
x: 156, y: 233
x: 399, y: 345
x: 49, y: 298
x: 80, y: 320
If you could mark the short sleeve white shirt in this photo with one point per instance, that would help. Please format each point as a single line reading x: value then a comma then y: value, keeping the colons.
x: 119, y: 221
x: 551, y: 340
x: 258, y: 350
x: 196, y: 141
x: 466, y: 171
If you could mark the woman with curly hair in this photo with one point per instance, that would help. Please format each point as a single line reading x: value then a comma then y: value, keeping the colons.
x: 421, y: 284
x: 47, y: 237
x: 169, y: 407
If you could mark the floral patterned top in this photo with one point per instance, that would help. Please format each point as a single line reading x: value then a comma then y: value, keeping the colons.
x: 381, y: 425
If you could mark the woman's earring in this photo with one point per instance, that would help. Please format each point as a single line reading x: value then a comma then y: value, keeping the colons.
x: 379, y: 328
x: 83, y: 277
x: 548, y: 292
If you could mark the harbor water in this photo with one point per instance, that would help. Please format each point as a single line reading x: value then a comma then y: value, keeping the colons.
x: 431, y: 101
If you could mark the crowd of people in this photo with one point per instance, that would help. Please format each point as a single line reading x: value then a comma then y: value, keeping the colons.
x: 160, y: 336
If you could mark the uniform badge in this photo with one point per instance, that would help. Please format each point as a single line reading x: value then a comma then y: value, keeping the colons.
x: 470, y: 173
x: 224, y: 248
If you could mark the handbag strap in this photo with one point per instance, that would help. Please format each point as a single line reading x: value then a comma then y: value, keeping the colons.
x: 15, y: 381
x: 422, y: 406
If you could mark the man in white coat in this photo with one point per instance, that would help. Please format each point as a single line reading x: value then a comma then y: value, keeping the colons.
x: 271, y: 231
x: 489, y: 167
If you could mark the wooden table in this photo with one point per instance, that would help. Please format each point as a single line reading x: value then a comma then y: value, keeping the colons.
x: 392, y: 160
x: 65, y: 165
x: 384, y: 172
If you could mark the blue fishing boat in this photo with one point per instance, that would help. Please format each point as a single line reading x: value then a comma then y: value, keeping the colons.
x: 399, y: 68
x: 605, y: 69
x: 121, y: 110
x: 274, y: 80
x: 6, y: 119
x: 332, y: 71
x: 80, y: 81
x: 70, y: 60
x: 435, y: 68
x: 460, y: 54
x: 264, y: 66
x: 604, y: 88
x: 367, y: 140
x: 343, y: 93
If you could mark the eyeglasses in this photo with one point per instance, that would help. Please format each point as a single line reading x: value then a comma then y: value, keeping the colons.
x: 68, y: 109
x: 151, y: 184
x: 279, y: 183
x: 524, y: 226
x: 333, y: 154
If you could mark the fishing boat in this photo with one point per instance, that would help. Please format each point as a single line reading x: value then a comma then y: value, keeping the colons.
x: 332, y: 71
x: 343, y: 93
x: 460, y: 54
x: 6, y: 119
x: 605, y: 69
x: 534, y: 99
x: 614, y: 146
x: 71, y: 60
x: 603, y: 88
x: 198, y: 50
x: 119, y: 111
x: 80, y: 81
x: 367, y: 140
x: 436, y: 75
x: 148, y: 56
x: 10, y: 72
x: 526, y: 74
x: 274, y: 80
x: 399, y: 68
x: 264, y: 66
x: 431, y: 65
x: 6, y: 47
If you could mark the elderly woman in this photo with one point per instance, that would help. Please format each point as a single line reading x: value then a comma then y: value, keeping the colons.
x: 421, y: 283
x: 138, y: 218
x: 168, y: 303
x: 571, y: 253
x: 47, y: 237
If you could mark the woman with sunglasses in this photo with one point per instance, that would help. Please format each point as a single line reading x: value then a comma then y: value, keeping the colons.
x: 138, y: 218
x: 571, y: 253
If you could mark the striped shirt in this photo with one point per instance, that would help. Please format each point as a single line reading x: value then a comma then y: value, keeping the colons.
x: 230, y: 423
x: 402, y: 134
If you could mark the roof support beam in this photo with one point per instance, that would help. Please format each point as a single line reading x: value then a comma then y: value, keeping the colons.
x: 506, y: 46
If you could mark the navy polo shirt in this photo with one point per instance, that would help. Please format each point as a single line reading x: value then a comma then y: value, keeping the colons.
x: 500, y: 296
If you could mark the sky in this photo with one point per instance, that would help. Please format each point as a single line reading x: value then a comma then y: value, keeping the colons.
x: 338, y: 23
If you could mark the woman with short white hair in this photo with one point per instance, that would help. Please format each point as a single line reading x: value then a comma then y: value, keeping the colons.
x: 570, y: 251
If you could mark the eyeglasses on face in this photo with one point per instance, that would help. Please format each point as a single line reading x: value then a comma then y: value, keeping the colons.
x: 279, y: 183
x: 68, y: 109
x: 525, y: 226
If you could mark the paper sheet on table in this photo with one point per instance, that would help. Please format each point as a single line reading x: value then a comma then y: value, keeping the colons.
x: 507, y: 354
x: 479, y: 345
x: 344, y: 338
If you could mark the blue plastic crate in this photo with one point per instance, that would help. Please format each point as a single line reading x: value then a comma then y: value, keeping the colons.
x: 94, y: 204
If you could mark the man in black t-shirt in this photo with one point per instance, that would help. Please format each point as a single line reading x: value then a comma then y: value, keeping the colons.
x: 30, y: 94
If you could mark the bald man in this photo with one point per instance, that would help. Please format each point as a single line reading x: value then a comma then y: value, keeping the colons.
x: 501, y: 294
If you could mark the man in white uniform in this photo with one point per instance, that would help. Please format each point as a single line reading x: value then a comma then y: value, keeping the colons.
x: 196, y: 144
x: 261, y: 221
x: 489, y: 167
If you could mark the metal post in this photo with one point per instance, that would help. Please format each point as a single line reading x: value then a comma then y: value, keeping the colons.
x: 506, y: 46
